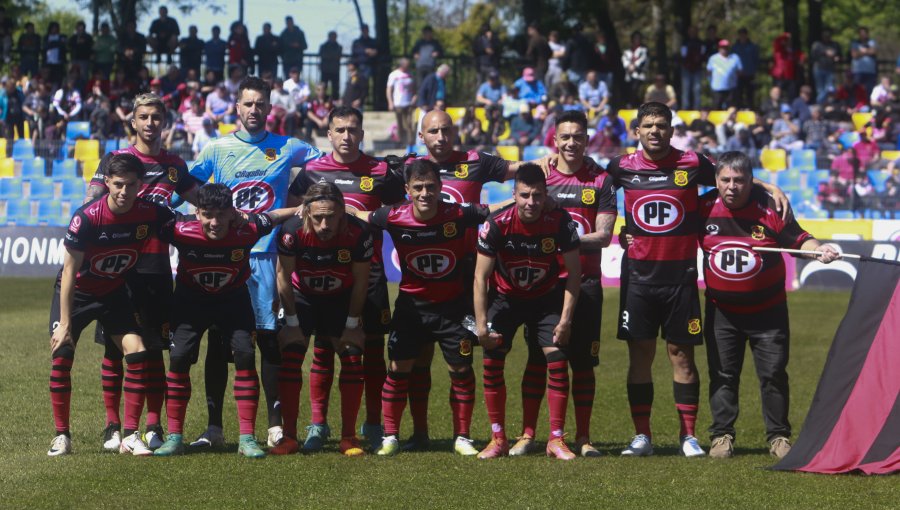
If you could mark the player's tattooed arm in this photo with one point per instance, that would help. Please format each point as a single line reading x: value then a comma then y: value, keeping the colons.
x: 602, y: 235
x: 63, y: 333
x: 355, y: 336
x: 573, y: 286
x: 290, y: 333
x: 94, y: 192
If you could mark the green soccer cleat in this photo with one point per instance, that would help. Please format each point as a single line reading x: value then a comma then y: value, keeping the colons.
x: 316, y: 435
x: 248, y: 447
x: 463, y: 446
x: 389, y: 447
x: 174, y: 445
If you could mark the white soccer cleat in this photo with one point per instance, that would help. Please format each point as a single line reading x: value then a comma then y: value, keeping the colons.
x: 61, y: 445
x: 640, y: 447
x: 275, y: 435
x: 154, y: 437
x: 134, y: 445
x: 211, y: 438
x: 112, y: 437
x: 690, y: 447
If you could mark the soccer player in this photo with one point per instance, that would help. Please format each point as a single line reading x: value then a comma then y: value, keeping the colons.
x: 660, y: 286
x: 256, y: 165
x: 585, y: 191
x: 323, y: 277
x: 366, y: 185
x: 518, y: 250
x: 213, y: 269
x: 745, y: 299
x: 430, y: 238
x: 150, y: 284
x: 102, y: 244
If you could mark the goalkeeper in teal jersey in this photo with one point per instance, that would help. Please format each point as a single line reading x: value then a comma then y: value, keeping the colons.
x: 256, y: 165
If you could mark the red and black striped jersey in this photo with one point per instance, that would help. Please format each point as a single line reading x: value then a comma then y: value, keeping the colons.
x: 325, y: 267
x: 430, y: 252
x: 738, y: 278
x: 112, y: 242
x: 465, y: 173
x: 661, y: 202
x: 215, y: 267
x: 165, y: 174
x: 527, y: 263
x: 584, y: 194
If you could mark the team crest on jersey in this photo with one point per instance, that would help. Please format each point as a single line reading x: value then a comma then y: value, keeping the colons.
x: 758, y: 232
x: 173, y: 174
x: 237, y: 255
x: 141, y: 231
x: 271, y: 154
x: 548, y: 245
x: 76, y: 224
x: 287, y: 240
x: 694, y: 326
x: 462, y: 171
x: 484, y: 230
x: 588, y: 196
x: 366, y: 183
x: 343, y: 256
x: 465, y: 347
x: 450, y: 230
x: 681, y: 177
x: 386, y: 316
x: 595, y: 348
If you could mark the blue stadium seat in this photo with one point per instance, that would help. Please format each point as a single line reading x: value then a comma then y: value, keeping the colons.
x: 72, y: 189
x: 762, y: 174
x: 843, y: 215
x: 76, y: 130
x: 533, y: 152
x: 494, y: 192
x: 23, y: 149
x: 65, y: 168
x: 815, y: 177
x: 19, y: 212
x: 33, y: 167
x: 41, y: 188
x: 848, y: 138
x: 10, y: 188
x: 789, y: 179
x: 803, y: 159
x: 50, y: 212
x: 878, y: 177
x: 420, y: 149
x: 111, y: 145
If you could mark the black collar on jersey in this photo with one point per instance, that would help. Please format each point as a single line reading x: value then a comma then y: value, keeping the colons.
x: 248, y: 138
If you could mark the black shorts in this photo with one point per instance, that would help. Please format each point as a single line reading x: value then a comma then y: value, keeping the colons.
x: 583, y: 350
x: 376, y: 315
x: 675, y: 309
x: 540, y: 316
x: 151, y: 295
x: 322, y: 316
x: 113, y: 311
x: 416, y: 323
x: 193, y: 313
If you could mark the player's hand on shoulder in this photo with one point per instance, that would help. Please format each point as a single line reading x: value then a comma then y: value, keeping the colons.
x: 546, y: 162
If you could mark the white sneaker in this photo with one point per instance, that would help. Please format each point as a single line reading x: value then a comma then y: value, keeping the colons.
x: 690, y: 447
x: 640, y: 447
x: 154, y: 437
x: 211, y: 438
x: 275, y: 435
x: 61, y: 445
x: 112, y: 437
x: 134, y: 445
x: 463, y: 446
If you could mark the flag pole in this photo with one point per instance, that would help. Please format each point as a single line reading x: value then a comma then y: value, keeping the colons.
x: 803, y: 252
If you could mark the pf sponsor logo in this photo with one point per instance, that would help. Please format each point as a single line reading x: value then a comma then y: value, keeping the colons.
x: 173, y: 174
x: 526, y: 274
x: 237, y: 255
x: 588, y: 196
x: 253, y: 196
x: 321, y: 281
x: 758, y: 232
x: 431, y: 262
x: 343, y: 256
x: 366, y: 183
x: 465, y: 347
x: 657, y: 213
x: 548, y: 245
x: 271, y: 154
x: 141, y: 231
x: 462, y: 171
x: 450, y: 229
x: 694, y: 326
x: 213, y: 279
x: 114, y: 262
x: 734, y: 261
x: 681, y: 178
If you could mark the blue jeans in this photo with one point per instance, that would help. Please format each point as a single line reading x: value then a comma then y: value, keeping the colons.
x: 690, y: 89
x: 824, y: 82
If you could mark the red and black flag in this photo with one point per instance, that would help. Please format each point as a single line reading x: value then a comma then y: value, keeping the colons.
x: 853, y: 422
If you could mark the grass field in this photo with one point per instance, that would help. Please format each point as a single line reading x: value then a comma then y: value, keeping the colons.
x: 436, y: 479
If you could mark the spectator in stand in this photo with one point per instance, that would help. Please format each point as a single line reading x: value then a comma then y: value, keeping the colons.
x: 889, y: 199
x: 29, y: 48
x: 825, y: 55
x: 833, y: 194
x: 235, y: 76
x: 742, y: 141
x: 203, y: 137
x: 770, y: 109
x: 132, y: 46
x: 101, y: 120
x: 486, y: 50
x: 786, y: 131
x: 330, y: 53
x: 512, y: 103
x: 594, y: 96
x: 191, y: 48
x: 433, y: 90
x: 723, y: 68
x: 851, y: 96
x: 55, y: 52
x: 524, y: 129
x: 317, y: 115
x: 471, y: 131
x: 579, y: 54
x: 12, y: 99
x: 81, y: 49
x: 171, y: 80
x: 703, y: 130
x: 164, y: 32
x: 727, y: 128
x: 711, y: 42
x: 864, y: 196
x: 364, y: 52
x: 883, y: 130
x: 800, y: 106
x: 786, y: 64
x: 193, y: 118
x: 284, y: 111
x: 297, y: 87
x: 491, y: 93
x: 356, y: 90
x: 604, y: 144
x: 618, y: 125
x: 92, y: 100
x: 661, y: 92
x: 220, y: 105
x: 867, y: 151
x: 105, y: 47
x: 748, y: 52
x: 401, y: 95
x: 603, y: 61
x: 267, y: 48
x: 538, y: 52
x: 37, y: 108
x: 692, y: 66
x: 634, y: 61
x: 425, y: 52
x: 682, y: 138
x: 292, y: 46
x: 239, y: 51
x: 863, y: 63
x: 563, y: 87
x: 818, y: 134
x: 554, y: 64
x: 66, y: 107
x: 882, y: 95
x: 846, y: 165
x: 530, y: 88
x: 215, y: 50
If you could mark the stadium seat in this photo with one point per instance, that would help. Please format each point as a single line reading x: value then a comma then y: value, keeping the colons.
x: 22, y: 149
x: 627, y: 116
x: 762, y: 174
x: 773, y: 160
x: 10, y: 188
x: 815, y: 177
x: 788, y: 180
x: 87, y: 149
x: 39, y: 188
x: 419, y: 150
x: 848, y: 138
x: 877, y: 177
x: 111, y: 144
x: 843, y: 215
x: 860, y: 119
x: 718, y: 116
x: 89, y: 168
x: 456, y: 113
x: 688, y: 116
x: 71, y: 188
x: 7, y: 167
x: 533, y: 152
x: 33, y: 167
x: 746, y: 117
x: 19, y: 211
x: 227, y: 129
x: 890, y: 155
x: 78, y: 130
x: 493, y: 192
x: 50, y: 212
x: 2, y: 147
x: 508, y: 152
x: 803, y: 159
x: 64, y: 168
x: 507, y: 131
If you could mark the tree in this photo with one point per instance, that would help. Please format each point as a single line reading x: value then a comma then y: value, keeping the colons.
x: 121, y: 12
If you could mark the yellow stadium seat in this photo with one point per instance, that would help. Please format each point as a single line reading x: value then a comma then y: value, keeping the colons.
x: 630, y: 150
x: 746, y: 117
x: 2, y: 147
x: 718, y: 116
x: 7, y: 166
x: 87, y: 149
x: 227, y: 129
x: 689, y: 116
x: 89, y: 168
x: 508, y: 152
x: 507, y: 131
x: 456, y: 113
x: 480, y: 114
x: 773, y: 160
x: 890, y: 155
x: 627, y: 116
x: 860, y: 119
